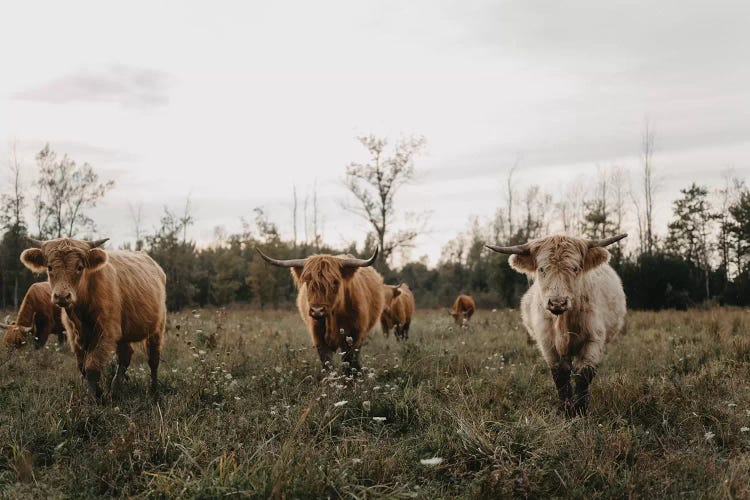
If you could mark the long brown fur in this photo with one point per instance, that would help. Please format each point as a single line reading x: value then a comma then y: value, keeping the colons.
x: 119, y: 298
x: 463, y: 309
x: 397, y: 310
x: 38, y: 313
x: 353, y: 300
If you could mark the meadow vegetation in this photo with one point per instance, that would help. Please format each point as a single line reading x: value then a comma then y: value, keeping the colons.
x: 243, y: 412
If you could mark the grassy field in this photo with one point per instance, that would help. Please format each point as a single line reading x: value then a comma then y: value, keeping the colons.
x: 242, y: 412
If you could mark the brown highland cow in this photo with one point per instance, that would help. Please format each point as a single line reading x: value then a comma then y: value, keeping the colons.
x: 398, y: 310
x: 110, y: 299
x: 463, y: 309
x: 340, y: 299
x: 37, y: 314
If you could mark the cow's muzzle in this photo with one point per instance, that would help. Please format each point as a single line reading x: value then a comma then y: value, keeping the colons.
x: 317, y: 313
x: 558, y: 305
x: 62, y: 299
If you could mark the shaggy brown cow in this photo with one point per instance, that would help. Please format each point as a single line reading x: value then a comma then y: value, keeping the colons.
x: 463, y: 309
x: 41, y: 316
x: 110, y: 299
x: 340, y: 299
x: 574, y: 306
x: 397, y: 310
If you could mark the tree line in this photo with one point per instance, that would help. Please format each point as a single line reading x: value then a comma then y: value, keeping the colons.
x: 703, y: 259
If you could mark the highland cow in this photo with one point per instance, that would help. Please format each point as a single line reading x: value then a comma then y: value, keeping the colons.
x: 574, y: 306
x: 37, y: 315
x: 463, y: 309
x: 110, y: 299
x: 398, y: 310
x: 340, y: 299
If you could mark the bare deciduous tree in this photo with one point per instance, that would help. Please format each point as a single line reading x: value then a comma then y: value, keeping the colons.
x: 136, y: 217
x: 648, y: 139
x: 375, y: 184
x: 65, y: 190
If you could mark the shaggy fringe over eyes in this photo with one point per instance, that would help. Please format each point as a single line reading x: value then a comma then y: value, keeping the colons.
x: 320, y: 273
x: 560, y: 251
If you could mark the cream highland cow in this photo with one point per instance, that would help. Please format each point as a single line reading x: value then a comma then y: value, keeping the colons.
x: 575, y: 304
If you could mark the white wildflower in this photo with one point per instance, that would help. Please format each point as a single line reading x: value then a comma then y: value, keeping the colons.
x: 709, y: 436
x: 356, y: 460
x: 340, y: 403
x: 366, y: 405
x: 744, y: 429
x: 379, y: 419
x: 431, y: 461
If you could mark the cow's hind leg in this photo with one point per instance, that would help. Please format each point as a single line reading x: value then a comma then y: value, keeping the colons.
x: 124, y: 355
x: 405, y: 330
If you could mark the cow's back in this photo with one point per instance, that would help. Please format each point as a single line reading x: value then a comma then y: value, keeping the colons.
x: 141, y: 283
x: 464, y: 303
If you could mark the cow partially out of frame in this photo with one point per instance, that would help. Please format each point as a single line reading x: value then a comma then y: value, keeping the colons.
x: 340, y: 299
x: 38, y: 316
x: 575, y: 304
x: 110, y: 299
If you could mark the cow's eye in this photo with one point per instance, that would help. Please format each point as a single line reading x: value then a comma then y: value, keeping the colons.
x: 576, y: 269
x: 49, y: 269
x: 80, y: 268
x: 543, y: 270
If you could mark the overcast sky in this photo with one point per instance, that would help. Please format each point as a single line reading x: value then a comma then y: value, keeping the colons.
x: 234, y: 102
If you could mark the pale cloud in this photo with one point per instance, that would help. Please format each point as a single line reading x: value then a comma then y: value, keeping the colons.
x: 118, y: 84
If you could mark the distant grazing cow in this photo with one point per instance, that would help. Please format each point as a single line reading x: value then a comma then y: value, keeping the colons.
x: 574, y: 305
x: 37, y: 314
x: 109, y: 300
x: 463, y: 309
x: 340, y: 299
x: 398, y: 310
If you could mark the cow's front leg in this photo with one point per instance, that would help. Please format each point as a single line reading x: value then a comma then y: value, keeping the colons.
x: 561, y: 372
x: 124, y: 355
x: 583, y: 377
x: 326, y: 356
x: 98, y: 354
x: 589, y: 359
x: 351, y: 360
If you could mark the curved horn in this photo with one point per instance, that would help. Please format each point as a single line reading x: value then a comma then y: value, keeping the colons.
x: 281, y: 263
x: 359, y: 262
x: 35, y: 243
x: 97, y: 243
x: 3, y: 325
x: 517, y: 249
x: 606, y: 241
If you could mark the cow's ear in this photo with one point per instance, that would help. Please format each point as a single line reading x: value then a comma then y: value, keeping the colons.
x: 297, y: 272
x: 97, y: 259
x: 396, y: 292
x: 595, y: 257
x: 524, y: 264
x: 33, y: 258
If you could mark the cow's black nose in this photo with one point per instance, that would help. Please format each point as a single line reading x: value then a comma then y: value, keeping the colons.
x: 317, y: 312
x: 557, y: 305
x: 62, y: 299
